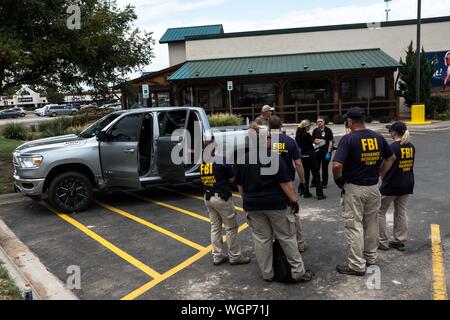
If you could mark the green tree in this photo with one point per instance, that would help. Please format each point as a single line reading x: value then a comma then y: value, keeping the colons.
x: 54, y: 96
x: 37, y: 46
x: 408, y: 77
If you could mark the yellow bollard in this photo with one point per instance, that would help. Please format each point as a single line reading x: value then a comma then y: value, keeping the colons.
x: 418, y: 115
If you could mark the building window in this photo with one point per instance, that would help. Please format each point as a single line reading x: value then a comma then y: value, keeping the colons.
x: 256, y: 94
x: 380, y: 88
x: 209, y: 98
x: 308, y: 92
x: 348, y: 90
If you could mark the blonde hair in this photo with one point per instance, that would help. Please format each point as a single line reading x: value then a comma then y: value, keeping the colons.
x: 405, y: 138
x: 304, y: 124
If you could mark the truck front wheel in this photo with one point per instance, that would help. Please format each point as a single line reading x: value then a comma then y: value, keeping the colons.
x: 70, y: 192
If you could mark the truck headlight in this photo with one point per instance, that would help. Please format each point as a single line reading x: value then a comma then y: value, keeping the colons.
x: 29, y: 162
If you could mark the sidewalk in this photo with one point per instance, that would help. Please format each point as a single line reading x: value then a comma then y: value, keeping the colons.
x: 339, y: 129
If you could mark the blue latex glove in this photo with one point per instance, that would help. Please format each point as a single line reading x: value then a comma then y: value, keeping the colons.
x: 328, y: 156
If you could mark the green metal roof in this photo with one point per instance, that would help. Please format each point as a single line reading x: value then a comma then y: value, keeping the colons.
x: 179, y: 34
x: 294, y: 63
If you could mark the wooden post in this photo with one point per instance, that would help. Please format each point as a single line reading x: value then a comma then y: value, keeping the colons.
x: 368, y: 106
x: 253, y: 112
x: 280, y: 85
x: 340, y: 107
x: 296, y: 111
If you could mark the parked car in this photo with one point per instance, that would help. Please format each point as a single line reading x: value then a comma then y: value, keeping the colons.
x: 129, y: 149
x: 74, y: 105
x: 60, y: 110
x: 9, y: 113
x: 117, y: 106
x: 89, y: 106
x: 40, y: 112
x: 22, y: 111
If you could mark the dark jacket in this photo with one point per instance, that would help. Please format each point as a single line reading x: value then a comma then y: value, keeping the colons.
x: 305, y: 141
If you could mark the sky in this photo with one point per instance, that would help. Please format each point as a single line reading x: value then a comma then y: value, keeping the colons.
x: 250, y: 15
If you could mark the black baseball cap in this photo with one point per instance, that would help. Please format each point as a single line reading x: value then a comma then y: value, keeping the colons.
x: 398, y: 127
x: 355, y: 113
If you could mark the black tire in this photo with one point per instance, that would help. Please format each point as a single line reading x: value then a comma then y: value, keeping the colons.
x: 70, y: 192
x: 53, y: 114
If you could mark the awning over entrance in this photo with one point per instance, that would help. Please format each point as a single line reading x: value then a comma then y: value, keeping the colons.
x: 282, y: 64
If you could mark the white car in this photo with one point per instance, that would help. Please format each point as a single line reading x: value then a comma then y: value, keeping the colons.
x: 40, y: 112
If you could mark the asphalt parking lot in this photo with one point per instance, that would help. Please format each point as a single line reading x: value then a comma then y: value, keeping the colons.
x: 30, y: 118
x: 155, y: 244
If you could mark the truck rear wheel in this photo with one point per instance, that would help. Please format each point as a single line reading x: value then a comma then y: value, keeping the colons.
x: 70, y: 192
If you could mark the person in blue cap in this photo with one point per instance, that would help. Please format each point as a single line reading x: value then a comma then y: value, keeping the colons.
x: 361, y: 158
x: 397, y: 186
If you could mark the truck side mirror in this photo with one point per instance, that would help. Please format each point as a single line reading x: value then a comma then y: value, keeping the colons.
x: 102, y: 136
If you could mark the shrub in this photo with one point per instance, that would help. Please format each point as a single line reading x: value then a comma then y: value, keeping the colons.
x: 57, y: 127
x: 439, y: 104
x: 33, y: 128
x: 338, y: 119
x: 225, y: 119
x: 89, y: 115
x: 14, y: 130
x: 443, y: 116
x: 369, y: 119
x: 385, y: 119
x: 76, y: 130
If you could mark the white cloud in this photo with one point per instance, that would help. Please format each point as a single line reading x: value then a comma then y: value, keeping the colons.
x: 161, y: 8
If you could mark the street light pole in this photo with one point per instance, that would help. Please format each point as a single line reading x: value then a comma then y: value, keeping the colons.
x: 418, y: 50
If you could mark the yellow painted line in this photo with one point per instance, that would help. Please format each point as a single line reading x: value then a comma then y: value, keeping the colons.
x: 199, y: 198
x: 169, y: 206
x: 131, y: 260
x: 439, y: 280
x: 151, y: 225
x: 148, y: 286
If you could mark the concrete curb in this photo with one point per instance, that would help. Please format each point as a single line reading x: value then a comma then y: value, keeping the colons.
x: 25, y: 267
x: 12, y: 198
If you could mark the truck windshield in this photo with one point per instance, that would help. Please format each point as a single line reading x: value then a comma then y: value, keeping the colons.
x: 98, y: 126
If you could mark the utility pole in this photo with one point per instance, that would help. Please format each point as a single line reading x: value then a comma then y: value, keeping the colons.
x: 418, y: 51
x: 387, y: 9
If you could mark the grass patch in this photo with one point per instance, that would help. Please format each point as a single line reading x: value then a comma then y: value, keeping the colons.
x: 8, y: 289
x: 7, y: 146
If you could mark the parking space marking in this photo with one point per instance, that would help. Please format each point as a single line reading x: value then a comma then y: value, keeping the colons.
x: 148, y: 286
x: 105, y: 243
x: 193, y: 196
x: 439, y: 279
x: 151, y: 225
x: 169, y: 206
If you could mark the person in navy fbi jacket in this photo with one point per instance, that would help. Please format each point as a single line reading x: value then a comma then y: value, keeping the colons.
x: 396, y: 188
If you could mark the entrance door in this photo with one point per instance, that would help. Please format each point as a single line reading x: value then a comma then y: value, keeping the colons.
x: 119, y: 154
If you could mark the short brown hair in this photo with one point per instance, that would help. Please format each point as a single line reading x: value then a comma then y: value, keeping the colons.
x: 275, y: 122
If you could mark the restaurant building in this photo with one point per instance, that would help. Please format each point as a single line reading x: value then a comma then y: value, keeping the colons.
x: 302, y: 72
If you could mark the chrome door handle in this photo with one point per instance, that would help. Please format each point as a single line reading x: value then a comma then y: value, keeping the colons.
x: 129, y: 150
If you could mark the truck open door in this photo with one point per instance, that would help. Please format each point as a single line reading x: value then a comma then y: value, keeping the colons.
x: 119, y: 149
x: 168, y: 169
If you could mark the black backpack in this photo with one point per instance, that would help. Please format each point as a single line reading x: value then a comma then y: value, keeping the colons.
x: 281, y: 267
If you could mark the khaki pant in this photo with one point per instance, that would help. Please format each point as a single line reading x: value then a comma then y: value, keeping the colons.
x: 400, y: 218
x: 222, y: 212
x: 360, y: 213
x: 279, y: 223
x: 300, y: 234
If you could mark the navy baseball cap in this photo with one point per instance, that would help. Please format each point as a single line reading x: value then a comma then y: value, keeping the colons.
x: 398, y: 127
x: 355, y: 113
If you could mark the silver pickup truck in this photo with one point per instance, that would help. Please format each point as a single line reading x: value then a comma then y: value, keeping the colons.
x: 124, y: 150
